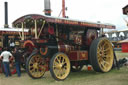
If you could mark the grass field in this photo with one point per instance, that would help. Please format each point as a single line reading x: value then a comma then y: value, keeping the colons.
x: 114, y: 77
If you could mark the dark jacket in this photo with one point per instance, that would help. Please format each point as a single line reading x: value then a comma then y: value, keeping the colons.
x: 17, y: 56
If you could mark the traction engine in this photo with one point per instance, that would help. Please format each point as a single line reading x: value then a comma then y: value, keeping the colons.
x: 63, y: 45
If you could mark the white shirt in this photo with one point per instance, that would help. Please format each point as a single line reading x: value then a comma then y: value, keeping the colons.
x: 5, y: 55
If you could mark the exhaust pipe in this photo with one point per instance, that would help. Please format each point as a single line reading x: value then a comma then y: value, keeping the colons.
x: 47, y: 7
x: 63, y: 8
x: 6, y: 15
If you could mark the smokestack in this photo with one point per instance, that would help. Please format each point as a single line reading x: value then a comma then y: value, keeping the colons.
x: 47, y: 7
x: 63, y: 8
x: 6, y: 14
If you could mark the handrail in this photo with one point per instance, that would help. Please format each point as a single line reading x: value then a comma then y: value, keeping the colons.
x: 41, y: 28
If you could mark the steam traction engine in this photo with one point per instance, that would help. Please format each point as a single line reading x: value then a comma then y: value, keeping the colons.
x: 61, y: 45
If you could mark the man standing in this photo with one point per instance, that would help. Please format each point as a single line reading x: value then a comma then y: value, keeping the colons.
x: 6, y: 56
x: 17, y: 56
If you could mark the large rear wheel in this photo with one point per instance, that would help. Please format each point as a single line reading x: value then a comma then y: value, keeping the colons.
x: 101, y: 55
x: 60, y: 66
x: 36, y: 66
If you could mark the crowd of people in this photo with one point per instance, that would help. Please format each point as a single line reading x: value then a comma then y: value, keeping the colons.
x: 6, y: 56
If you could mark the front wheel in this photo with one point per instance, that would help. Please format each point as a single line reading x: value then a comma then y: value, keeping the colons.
x: 101, y: 55
x: 36, y: 66
x: 60, y: 66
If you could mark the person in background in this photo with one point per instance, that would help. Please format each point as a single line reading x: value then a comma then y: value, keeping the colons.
x: 17, y: 57
x: 5, y: 56
x: 12, y: 45
x: 2, y: 67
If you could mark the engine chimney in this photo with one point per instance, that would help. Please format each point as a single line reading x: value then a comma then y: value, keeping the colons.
x: 63, y: 8
x: 47, y: 7
x: 6, y: 14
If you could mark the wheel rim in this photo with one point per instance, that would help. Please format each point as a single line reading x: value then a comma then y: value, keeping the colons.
x: 61, y: 66
x: 105, y: 55
x: 37, y: 66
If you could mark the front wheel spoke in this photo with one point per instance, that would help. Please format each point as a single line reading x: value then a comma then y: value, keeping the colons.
x: 56, y: 65
x: 58, y: 59
x: 32, y: 61
x: 63, y: 64
x: 32, y: 70
x: 65, y: 68
x: 58, y: 72
x: 63, y: 71
x: 63, y: 61
x: 35, y: 59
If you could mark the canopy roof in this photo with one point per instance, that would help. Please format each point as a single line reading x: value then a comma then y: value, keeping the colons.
x: 65, y: 21
x: 12, y: 31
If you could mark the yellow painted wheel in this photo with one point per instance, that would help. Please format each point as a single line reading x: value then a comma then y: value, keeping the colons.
x: 60, y: 66
x: 101, y: 55
x: 36, y: 66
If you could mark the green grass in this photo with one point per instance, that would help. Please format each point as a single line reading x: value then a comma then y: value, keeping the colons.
x: 121, y: 55
x: 114, y: 77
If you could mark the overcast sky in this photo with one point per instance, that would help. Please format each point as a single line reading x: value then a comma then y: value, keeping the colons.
x: 106, y: 11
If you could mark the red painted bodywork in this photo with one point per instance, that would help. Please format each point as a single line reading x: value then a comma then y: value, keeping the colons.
x: 124, y: 47
x: 78, y: 55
